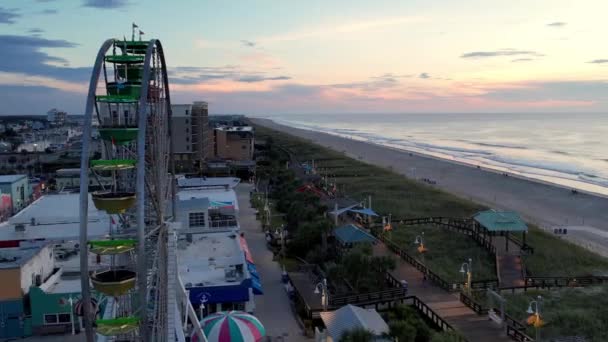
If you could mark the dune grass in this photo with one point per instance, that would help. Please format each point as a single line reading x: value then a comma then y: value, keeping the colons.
x: 566, y: 312
x: 446, y: 251
x: 404, y: 198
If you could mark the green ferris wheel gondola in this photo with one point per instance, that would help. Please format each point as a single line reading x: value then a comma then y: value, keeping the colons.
x: 125, y: 59
x: 113, y: 164
x: 119, y: 136
x: 112, y: 247
x: 117, y: 326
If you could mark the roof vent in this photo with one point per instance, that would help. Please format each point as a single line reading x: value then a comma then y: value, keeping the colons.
x: 20, y: 227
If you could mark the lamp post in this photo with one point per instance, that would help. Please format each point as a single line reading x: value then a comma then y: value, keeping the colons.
x: 467, y: 267
x: 71, y: 301
x: 536, y: 312
x: 324, y: 293
x: 419, y: 240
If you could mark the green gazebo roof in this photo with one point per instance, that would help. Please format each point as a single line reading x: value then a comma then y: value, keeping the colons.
x: 501, y: 221
x: 350, y: 234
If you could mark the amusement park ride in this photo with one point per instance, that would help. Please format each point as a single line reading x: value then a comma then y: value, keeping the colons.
x: 129, y: 97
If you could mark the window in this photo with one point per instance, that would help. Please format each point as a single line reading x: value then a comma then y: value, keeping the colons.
x: 64, y: 318
x: 197, y: 219
x: 187, y: 121
x: 187, y: 139
x: 243, y: 147
x: 186, y: 114
x: 50, y: 319
x: 57, y: 318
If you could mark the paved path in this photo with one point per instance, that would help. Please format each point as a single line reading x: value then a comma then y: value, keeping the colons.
x: 447, y: 305
x: 273, y: 308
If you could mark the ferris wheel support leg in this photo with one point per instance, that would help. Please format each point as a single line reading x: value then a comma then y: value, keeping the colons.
x: 84, y: 192
x: 142, y: 274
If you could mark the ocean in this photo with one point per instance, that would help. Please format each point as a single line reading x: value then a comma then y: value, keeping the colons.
x: 564, y: 149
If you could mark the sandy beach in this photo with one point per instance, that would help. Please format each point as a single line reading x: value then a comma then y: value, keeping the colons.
x: 547, y: 206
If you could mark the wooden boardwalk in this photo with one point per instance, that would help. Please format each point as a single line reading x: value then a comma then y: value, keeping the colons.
x: 447, y: 305
x: 509, y: 264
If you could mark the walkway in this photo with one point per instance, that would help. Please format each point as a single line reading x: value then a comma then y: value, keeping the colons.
x: 509, y: 263
x: 447, y: 305
x: 273, y: 308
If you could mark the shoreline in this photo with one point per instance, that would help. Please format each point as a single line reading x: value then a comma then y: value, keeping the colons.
x: 544, y: 204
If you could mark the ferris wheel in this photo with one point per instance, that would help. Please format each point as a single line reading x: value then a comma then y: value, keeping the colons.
x: 129, y: 97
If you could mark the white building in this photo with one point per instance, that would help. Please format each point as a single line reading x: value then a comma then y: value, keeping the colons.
x: 217, y: 270
x: 56, y: 117
x: 34, y: 263
x: 54, y: 218
x: 207, y: 209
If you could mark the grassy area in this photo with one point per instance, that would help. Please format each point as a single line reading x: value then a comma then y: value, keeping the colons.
x: 404, y: 198
x: 566, y: 312
x: 446, y: 252
x: 556, y: 257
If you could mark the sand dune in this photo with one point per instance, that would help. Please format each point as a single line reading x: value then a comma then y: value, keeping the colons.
x: 545, y: 205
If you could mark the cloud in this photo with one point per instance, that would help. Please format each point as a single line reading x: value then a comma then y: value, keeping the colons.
x: 49, y: 11
x: 424, y: 75
x: 106, y: 4
x: 517, y: 60
x: 557, y: 24
x: 253, y: 78
x: 23, y: 54
x: 39, y: 100
x: 35, y: 30
x: 598, y: 61
x: 194, y: 75
x: 577, y: 91
x: 375, y: 83
x: 501, y: 52
x: 45, y: 0
x: 341, y: 29
x: 8, y: 15
x: 248, y: 43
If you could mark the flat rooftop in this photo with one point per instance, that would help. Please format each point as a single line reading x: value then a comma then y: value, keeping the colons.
x: 230, y: 182
x: 17, y: 256
x: 67, y: 283
x: 218, y: 198
x: 205, y: 258
x: 56, y: 217
x: 11, y: 178
x: 56, y: 208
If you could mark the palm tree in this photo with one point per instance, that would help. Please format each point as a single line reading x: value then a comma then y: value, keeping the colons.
x: 357, y: 335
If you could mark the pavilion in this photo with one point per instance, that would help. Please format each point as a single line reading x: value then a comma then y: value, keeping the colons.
x: 502, y: 223
x: 350, y: 235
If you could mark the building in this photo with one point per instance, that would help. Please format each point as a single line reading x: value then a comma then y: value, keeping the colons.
x: 218, y: 271
x: 191, y: 136
x: 21, y: 268
x: 53, y: 218
x: 52, y: 306
x: 349, y: 318
x: 70, y: 179
x: 234, y: 143
x: 56, y: 117
x: 204, y: 209
x: 17, y: 186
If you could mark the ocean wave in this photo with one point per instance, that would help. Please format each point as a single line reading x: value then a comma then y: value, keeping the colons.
x: 496, y: 145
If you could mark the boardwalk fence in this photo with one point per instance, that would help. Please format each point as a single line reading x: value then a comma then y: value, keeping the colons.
x: 432, y: 276
x: 515, y: 329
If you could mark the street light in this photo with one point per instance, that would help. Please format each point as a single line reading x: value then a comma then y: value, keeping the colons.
x: 535, y: 319
x: 420, y: 242
x: 467, y: 267
x: 324, y: 293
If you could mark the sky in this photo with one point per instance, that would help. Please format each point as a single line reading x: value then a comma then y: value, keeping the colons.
x: 283, y: 57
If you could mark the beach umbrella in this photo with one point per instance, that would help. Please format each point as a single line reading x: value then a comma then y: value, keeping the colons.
x: 231, y: 326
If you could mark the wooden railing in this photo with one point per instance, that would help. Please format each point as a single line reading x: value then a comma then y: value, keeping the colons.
x: 550, y: 282
x: 518, y: 335
x: 515, y: 329
x: 432, y: 315
x: 379, y: 297
x: 468, y: 301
